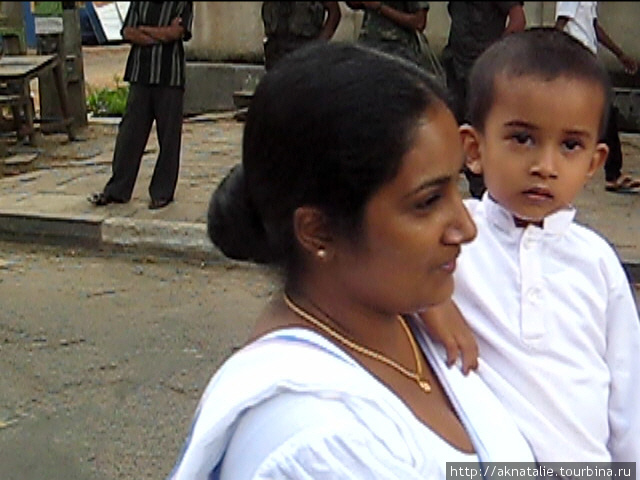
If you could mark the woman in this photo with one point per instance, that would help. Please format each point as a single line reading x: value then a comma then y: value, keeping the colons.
x: 349, y: 184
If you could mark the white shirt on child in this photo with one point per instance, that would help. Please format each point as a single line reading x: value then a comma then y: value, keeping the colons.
x: 580, y: 25
x: 558, y: 333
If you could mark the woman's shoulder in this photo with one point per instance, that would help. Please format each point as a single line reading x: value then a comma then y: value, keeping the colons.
x: 302, y: 432
x: 308, y: 398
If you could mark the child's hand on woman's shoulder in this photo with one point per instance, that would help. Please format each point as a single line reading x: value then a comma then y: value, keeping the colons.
x: 447, y: 326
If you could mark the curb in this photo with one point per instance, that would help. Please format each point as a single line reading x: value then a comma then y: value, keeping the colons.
x: 143, y: 236
x: 163, y: 237
x: 178, y: 238
x: 84, y: 231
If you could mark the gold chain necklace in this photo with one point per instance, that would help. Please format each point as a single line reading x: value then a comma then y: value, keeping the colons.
x: 415, y: 376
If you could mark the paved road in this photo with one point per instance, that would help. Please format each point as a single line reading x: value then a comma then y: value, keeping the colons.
x: 103, y: 359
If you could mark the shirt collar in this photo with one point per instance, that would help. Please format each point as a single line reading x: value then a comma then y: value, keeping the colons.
x: 556, y: 223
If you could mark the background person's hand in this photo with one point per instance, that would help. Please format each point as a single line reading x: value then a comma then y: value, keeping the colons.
x: 630, y: 65
x: 372, y: 5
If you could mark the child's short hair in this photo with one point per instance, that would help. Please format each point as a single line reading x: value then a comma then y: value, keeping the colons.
x: 544, y: 52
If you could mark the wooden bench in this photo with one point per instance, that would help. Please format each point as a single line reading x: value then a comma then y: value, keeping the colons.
x: 15, y: 74
x: 18, y: 105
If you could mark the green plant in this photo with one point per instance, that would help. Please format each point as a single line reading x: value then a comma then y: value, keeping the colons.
x: 108, y: 102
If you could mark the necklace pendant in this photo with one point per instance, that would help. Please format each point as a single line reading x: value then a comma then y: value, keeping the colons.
x: 424, y: 385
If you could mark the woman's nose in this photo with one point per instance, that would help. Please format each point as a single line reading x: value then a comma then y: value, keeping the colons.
x: 462, y: 228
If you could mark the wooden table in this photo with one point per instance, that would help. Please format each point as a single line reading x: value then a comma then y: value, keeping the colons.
x: 20, y: 70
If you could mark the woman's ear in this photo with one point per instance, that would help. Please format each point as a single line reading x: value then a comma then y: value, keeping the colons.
x: 471, y: 144
x: 311, y: 228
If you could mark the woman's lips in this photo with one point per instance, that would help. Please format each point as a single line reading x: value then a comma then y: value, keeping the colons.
x: 449, y: 266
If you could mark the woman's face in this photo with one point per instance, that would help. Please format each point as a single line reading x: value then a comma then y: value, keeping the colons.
x: 413, y: 227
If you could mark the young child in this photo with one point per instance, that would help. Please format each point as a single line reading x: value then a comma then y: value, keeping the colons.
x: 547, y: 299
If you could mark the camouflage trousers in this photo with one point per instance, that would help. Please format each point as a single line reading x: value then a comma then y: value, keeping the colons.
x: 277, y: 47
x: 397, y: 49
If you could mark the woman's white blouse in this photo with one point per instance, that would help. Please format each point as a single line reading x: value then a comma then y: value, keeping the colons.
x: 292, y: 405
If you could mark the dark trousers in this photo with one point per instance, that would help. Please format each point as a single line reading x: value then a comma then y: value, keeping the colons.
x: 613, y: 164
x: 144, y: 105
x: 457, y: 87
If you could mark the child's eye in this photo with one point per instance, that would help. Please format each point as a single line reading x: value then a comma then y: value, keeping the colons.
x: 572, y: 145
x: 523, y: 138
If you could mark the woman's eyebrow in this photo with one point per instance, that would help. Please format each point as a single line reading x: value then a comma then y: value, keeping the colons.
x: 432, y: 182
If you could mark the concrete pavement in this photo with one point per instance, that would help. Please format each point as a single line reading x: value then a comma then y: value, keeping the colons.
x: 49, y: 204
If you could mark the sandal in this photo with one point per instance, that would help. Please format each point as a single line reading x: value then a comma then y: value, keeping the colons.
x: 623, y: 184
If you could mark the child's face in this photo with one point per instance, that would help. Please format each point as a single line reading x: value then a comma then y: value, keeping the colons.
x: 540, y: 143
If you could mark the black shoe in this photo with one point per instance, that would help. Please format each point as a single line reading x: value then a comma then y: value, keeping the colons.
x: 100, y: 199
x: 157, y: 204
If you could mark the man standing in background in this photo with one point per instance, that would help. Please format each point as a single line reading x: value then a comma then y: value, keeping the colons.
x: 580, y: 19
x: 156, y: 73
x: 290, y: 25
x: 392, y: 27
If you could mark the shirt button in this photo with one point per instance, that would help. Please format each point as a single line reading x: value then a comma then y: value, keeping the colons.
x: 533, y: 295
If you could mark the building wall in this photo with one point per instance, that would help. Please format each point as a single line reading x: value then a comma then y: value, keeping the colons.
x: 226, y: 31
x: 232, y: 31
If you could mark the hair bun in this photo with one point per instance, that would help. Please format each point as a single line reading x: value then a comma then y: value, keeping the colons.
x: 233, y: 223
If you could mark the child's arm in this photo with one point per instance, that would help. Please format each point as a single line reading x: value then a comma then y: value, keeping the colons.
x: 447, y: 326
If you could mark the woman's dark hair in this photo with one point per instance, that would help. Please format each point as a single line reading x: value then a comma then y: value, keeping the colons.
x: 544, y: 52
x: 326, y: 127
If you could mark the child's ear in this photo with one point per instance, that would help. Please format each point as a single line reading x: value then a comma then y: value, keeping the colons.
x: 471, y: 144
x: 597, y: 160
